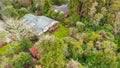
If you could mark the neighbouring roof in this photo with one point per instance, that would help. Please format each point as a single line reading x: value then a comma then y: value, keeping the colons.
x: 62, y: 8
x: 39, y: 24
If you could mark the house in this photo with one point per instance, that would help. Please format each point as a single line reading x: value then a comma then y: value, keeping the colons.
x: 38, y: 24
x: 63, y: 9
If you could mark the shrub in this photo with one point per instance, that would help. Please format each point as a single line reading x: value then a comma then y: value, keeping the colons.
x: 76, y: 50
x: 20, y: 60
x: 51, y: 50
x: 80, y: 26
x: 94, y: 36
x: 25, y: 43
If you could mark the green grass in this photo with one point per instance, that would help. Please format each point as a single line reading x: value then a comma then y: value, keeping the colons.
x: 10, y: 48
x: 61, y: 32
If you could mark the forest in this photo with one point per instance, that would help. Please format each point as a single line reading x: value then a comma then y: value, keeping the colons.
x: 87, y: 34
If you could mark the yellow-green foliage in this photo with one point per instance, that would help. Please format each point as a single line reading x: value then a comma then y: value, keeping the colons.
x: 104, y: 59
x: 61, y: 32
x: 108, y: 44
x: 10, y: 48
x: 78, y: 43
x: 94, y: 36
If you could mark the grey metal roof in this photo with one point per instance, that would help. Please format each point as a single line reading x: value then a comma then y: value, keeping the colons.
x: 39, y: 24
x: 62, y: 8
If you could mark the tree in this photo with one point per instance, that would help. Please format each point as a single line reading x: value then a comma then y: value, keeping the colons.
x: 12, y: 12
x: 46, y: 6
x: 91, y: 8
x: 17, y: 29
x: 51, y: 50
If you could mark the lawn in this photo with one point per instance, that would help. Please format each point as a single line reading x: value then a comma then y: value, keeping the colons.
x: 61, y: 32
x: 10, y: 48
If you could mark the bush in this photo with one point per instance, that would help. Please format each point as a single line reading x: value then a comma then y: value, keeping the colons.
x: 25, y: 43
x: 20, y: 60
x: 51, y: 50
x: 80, y: 26
x: 74, y: 48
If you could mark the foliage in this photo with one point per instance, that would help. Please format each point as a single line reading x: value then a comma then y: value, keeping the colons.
x: 51, y: 49
x: 4, y: 62
x: 61, y: 32
x: 58, y: 2
x: 94, y: 36
x: 9, y: 11
x: 18, y: 8
x: 74, y: 64
x: 25, y: 43
x: 118, y: 59
x: 22, y: 12
x: 55, y: 15
x: 3, y: 35
x: 17, y: 29
x: 21, y: 59
x: 94, y: 9
x: 45, y: 6
x: 116, y: 28
x: 80, y: 26
x: 103, y: 59
x: 72, y: 19
x: 74, y: 48
x: 10, y: 48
